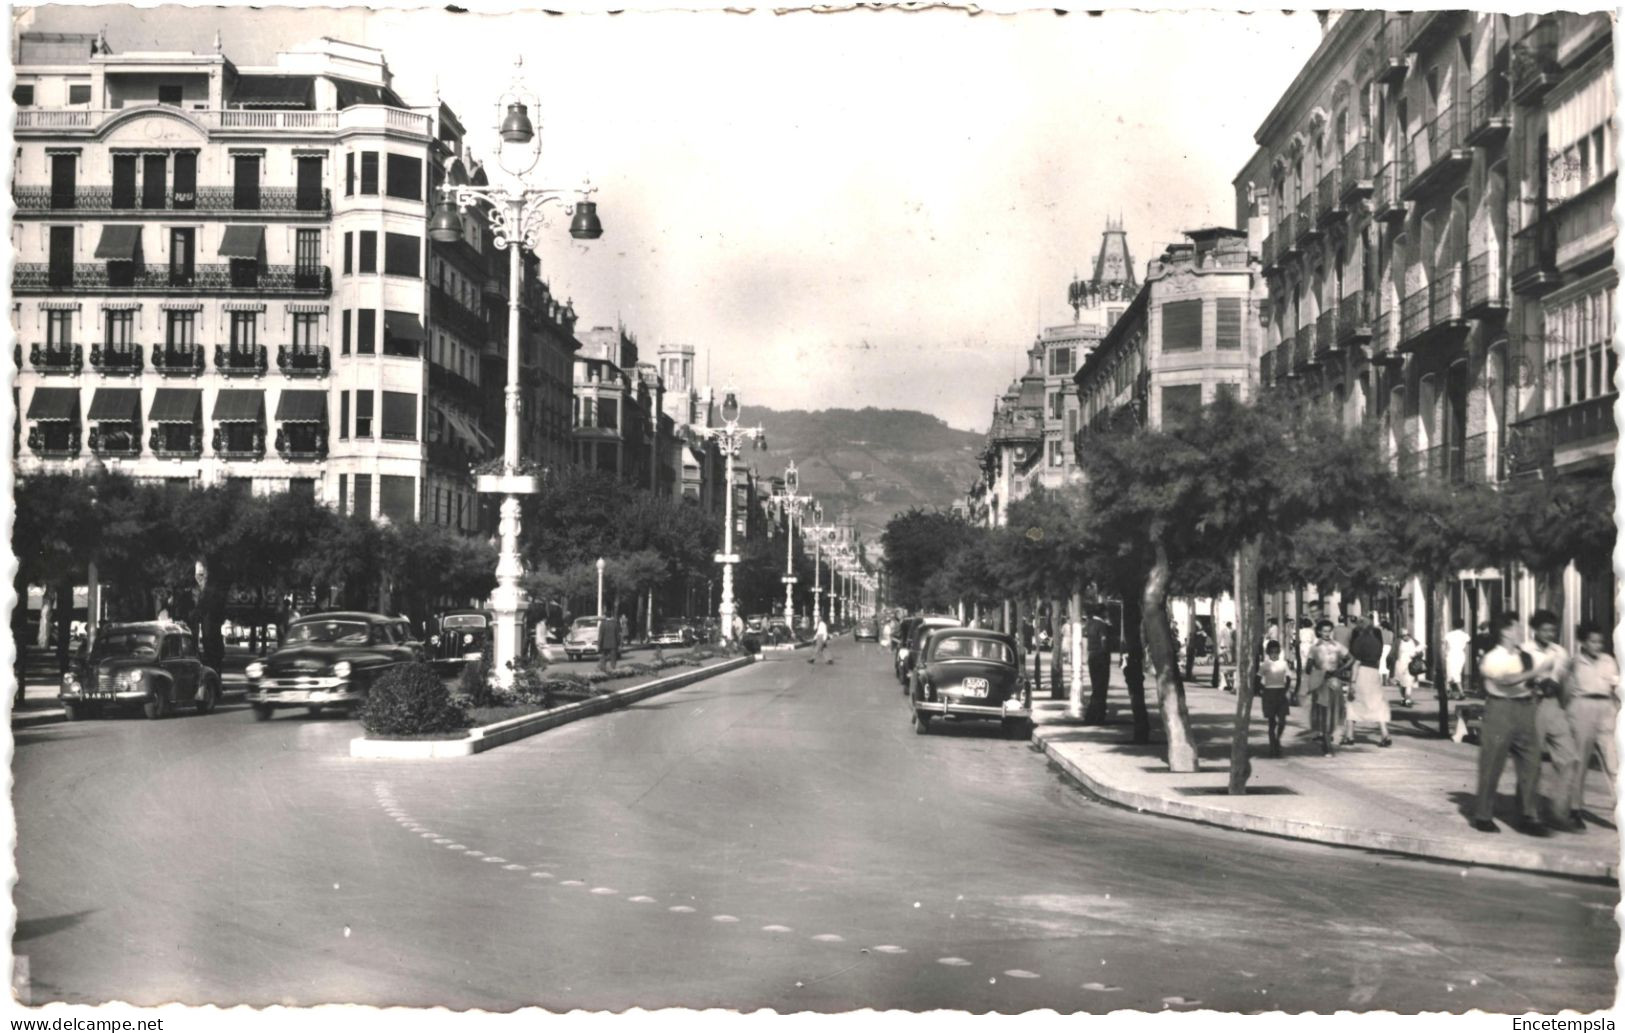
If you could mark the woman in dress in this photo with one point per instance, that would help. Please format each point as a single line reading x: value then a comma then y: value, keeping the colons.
x: 1326, y: 659
x: 1404, y: 652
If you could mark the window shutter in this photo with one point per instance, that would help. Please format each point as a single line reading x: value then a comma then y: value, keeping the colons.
x: 1182, y: 326
x: 401, y: 254
x: 400, y: 422
x: 403, y: 177
x: 1227, y: 320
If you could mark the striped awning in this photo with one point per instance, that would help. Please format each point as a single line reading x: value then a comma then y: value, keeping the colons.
x: 302, y: 407
x: 242, y: 242
x: 54, y: 403
x: 273, y: 91
x: 239, y: 406
x: 404, y: 326
x: 121, y: 404
x: 176, y: 405
x: 119, y: 243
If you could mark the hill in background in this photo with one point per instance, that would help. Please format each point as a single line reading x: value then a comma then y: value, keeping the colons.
x: 869, y: 464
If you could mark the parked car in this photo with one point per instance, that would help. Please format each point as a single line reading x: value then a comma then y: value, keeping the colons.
x: 459, y: 636
x: 777, y: 630
x: 153, y: 665
x: 970, y: 674
x: 329, y: 660
x: 904, y: 634
x: 866, y: 630
x: 916, y: 639
x: 674, y: 631
x: 582, y: 638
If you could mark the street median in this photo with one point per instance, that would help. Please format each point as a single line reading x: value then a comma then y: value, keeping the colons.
x: 486, y: 737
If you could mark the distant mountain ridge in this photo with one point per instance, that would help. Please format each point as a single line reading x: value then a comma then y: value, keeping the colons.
x: 869, y: 464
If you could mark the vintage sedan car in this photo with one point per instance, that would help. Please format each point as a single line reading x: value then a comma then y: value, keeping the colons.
x: 674, y: 631
x: 152, y: 665
x: 459, y: 636
x: 582, y: 638
x: 970, y: 674
x: 329, y: 660
x: 916, y: 641
x: 866, y: 630
x: 900, y: 640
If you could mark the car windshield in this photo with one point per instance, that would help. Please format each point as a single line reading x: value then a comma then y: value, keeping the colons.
x: 143, y: 644
x: 670, y: 625
x: 586, y: 622
x: 350, y: 633
x: 963, y: 647
x: 464, y: 620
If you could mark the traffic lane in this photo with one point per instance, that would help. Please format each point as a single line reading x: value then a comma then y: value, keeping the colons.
x: 806, y: 801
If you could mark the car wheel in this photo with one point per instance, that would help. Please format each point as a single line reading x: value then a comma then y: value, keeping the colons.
x: 211, y: 696
x: 154, y: 707
x: 72, y: 712
x: 922, y: 724
x: 262, y: 712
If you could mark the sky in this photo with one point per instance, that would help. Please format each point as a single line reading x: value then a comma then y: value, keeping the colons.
x: 836, y: 209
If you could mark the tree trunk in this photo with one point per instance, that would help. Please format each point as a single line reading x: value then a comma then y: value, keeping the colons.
x: 1133, y: 645
x: 47, y: 610
x: 64, y: 623
x: 1190, y: 642
x: 1435, y: 646
x: 1057, y: 656
x: 1249, y: 603
x: 1075, y: 649
x: 1159, y: 646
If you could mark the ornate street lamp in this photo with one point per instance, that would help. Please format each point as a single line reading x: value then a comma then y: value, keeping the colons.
x: 729, y: 437
x: 515, y: 212
x: 600, y: 586
x: 793, y: 504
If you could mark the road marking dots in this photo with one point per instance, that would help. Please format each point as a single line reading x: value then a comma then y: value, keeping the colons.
x: 492, y: 860
x: 724, y: 918
x: 604, y: 891
x: 513, y: 867
x: 887, y: 948
x: 1179, y: 1002
x: 953, y: 962
x: 1020, y: 973
x: 640, y: 900
x: 830, y: 938
x: 681, y: 909
x: 777, y: 929
x: 456, y: 846
x: 475, y: 853
x: 541, y: 875
x: 1101, y: 988
x: 572, y: 882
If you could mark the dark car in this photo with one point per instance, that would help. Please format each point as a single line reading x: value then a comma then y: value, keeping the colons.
x: 674, y: 631
x: 866, y: 630
x: 970, y: 674
x: 329, y: 660
x: 777, y: 630
x: 900, y: 642
x: 916, y: 640
x: 152, y: 665
x: 459, y: 636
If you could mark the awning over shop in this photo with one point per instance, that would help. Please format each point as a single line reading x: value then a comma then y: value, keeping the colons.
x: 469, y: 431
x: 274, y: 91
x: 403, y: 326
x: 302, y: 407
x: 119, y: 243
x: 54, y: 403
x: 239, y: 406
x: 121, y: 404
x: 176, y: 405
x: 243, y: 242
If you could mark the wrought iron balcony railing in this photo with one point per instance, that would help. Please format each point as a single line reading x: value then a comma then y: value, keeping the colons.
x: 1308, y: 228
x: 116, y: 361
x: 1388, y: 201
x: 1303, y: 348
x: 110, y: 444
x: 1489, y: 108
x: 233, y: 361
x: 1329, y: 197
x: 103, y: 200
x: 1461, y: 462
x: 96, y: 278
x: 1357, y: 171
x: 1353, y: 319
x: 1534, y: 68
x: 62, y: 358
x: 54, y: 447
x: 303, y: 361
x: 1486, y: 287
x: 177, y: 360
x: 1534, y: 258
x: 1326, y: 335
x: 1435, y: 153
x: 1389, y: 46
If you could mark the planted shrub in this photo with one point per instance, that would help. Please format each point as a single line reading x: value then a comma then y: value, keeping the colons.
x: 411, y: 700
x: 531, y: 684
x: 474, y: 684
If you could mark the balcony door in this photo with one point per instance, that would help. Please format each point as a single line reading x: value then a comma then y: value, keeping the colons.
x: 1454, y: 429
x: 124, y: 181
x: 307, y: 258
x: 153, y: 170
x: 64, y: 180
x: 182, y: 256
x: 308, y: 192
x: 181, y: 335
x: 61, y: 268
x: 185, y: 190
x: 246, y: 182
x: 244, y: 339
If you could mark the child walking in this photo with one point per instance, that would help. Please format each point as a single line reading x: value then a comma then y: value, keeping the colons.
x: 1274, y: 679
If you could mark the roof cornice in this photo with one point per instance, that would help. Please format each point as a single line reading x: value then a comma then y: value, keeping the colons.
x: 1306, y: 84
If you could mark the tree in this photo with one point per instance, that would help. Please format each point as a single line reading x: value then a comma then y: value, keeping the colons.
x: 54, y: 532
x: 426, y: 564
x: 1546, y: 523
x: 918, y: 544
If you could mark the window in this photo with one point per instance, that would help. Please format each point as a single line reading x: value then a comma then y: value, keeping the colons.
x: 363, y: 495
x: 1182, y: 326
x: 403, y: 177
x: 344, y: 493
x: 1057, y: 404
x: 302, y: 487
x: 124, y: 181
x: 1060, y: 362
x: 367, y: 259
x: 609, y: 414
x: 366, y: 331
x: 1582, y: 139
x: 184, y: 191
x: 306, y: 331
x: 1055, y: 453
x: 363, y: 414
x: 401, y: 254
x: 369, y: 172
x: 308, y: 183
x: 349, y: 253
x: 181, y: 332
x: 23, y: 96
x: 397, y: 498
x: 1230, y: 391
x: 245, y: 193
x: 79, y: 93
x: 64, y: 180
x: 120, y: 333
x: 349, y: 175
x: 1180, y: 403
x: 245, y: 336
x: 1580, y: 365
x: 170, y: 94
x: 1227, y: 323
x: 58, y: 330
x: 307, y: 256
x: 344, y: 414
x: 344, y: 332
x: 400, y: 416
x: 154, y: 168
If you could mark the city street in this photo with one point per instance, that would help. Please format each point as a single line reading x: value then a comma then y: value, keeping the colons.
x: 777, y: 837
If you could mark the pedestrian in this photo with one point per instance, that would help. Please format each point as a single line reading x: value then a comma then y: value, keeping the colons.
x: 1098, y: 650
x: 1385, y: 665
x: 544, y: 652
x: 1342, y: 632
x: 1593, y: 711
x: 1555, y: 732
x: 1368, y: 703
x: 1405, y: 653
x: 1325, y: 671
x: 1509, y: 727
x: 738, y: 628
x: 1229, y: 656
x: 609, y: 643
x: 821, y: 643
x: 1456, y: 643
x: 1274, y: 678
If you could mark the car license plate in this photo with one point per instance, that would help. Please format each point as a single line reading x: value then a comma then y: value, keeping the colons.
x: 976, y: 688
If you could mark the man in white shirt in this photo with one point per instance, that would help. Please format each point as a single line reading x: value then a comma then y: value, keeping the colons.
x: 1509, y: 727
x: 1552, y: 718
x: 1456, y: 644
x: 1593, y: 708
x: 821, y: 643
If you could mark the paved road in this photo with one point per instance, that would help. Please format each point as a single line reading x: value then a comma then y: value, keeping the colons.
x: 777, y: 837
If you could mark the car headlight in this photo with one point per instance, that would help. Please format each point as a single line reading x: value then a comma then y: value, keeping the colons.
x: 434, y: 640
x: 341, y: 669
x: 255, y: 671
x: 129, y: 679
x: 70, y: 682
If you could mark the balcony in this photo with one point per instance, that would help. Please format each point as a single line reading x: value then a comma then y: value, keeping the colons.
x: 1389, y: 46
x: 1308, y: 228
x: 115, y: 445
x: 1286, y: 238
x: 1436, y: 155
x: 1268, y: 255
x: 174, y: 360
x: 1329, y: 199
x: 1534, y: 258
x: 63, y: 446
x: 1353, y: 320
x: 1486, y: 287
x: 303, y: 361
x: 116, y: 362
x: 1563, y: 436
x: 251, y: 447
x: 300, y: 447
x: 93, y: 200
x: 50, y: 359
x: 1534, y: 62
x: 1489, y: 110
x: 1388, y: 201
x: 448, y: 312
x: 1326, y: 335
x: 1423, y: 29
x: 176, y: 441
x: 1018, y: 429
x: 1585, y: 228
x: 97, y: 278
x: 1303, y: 350
x: 234, y: 361
x: 1383, y: 350
x: 1462, y: 462
x: 1356, y: 172
x: 1433, y: 311
x: 89, y: 121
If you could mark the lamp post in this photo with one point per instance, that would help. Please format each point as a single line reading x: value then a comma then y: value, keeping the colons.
x: 600, y: 586
x: 793, y: 504
x: 729, y: 437
x: 515, y: 211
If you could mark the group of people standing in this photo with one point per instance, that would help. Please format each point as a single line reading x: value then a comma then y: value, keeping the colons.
x: 1344, y: 676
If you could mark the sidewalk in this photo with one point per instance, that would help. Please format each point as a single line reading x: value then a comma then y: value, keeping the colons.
x: 40, y: 706
x: 1410, y: 798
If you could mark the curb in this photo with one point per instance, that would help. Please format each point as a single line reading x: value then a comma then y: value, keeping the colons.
x: 1533, y: 859
x: 490, y: 736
